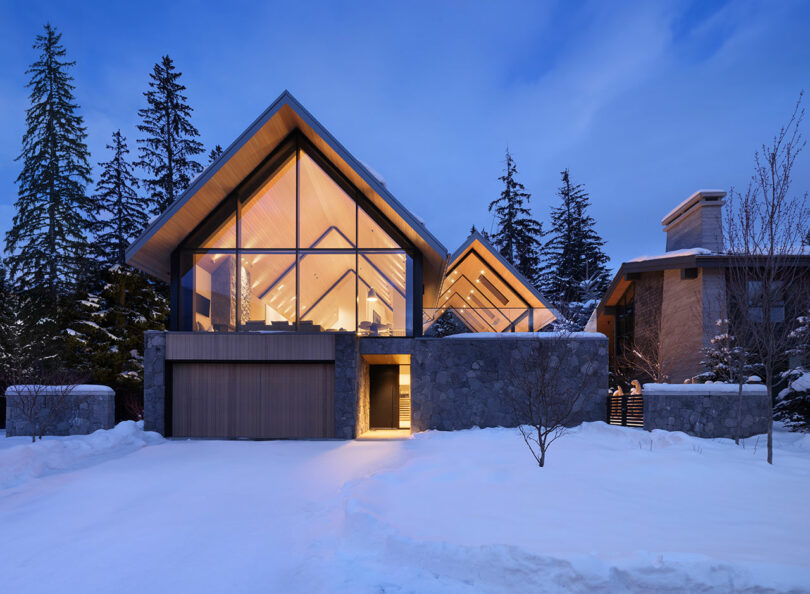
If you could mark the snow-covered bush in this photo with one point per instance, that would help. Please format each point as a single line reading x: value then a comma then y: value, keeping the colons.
x: 724, y: 359
x: 793, y: 402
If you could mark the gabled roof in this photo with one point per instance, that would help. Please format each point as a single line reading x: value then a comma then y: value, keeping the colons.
x: 151, y: 251
x: 498, y: 289
x: 476, y: 241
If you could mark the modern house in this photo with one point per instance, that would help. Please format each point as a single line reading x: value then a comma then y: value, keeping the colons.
x: 300, y: 288
x: 667, y: 306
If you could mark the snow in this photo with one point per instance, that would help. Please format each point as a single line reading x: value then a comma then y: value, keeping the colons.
x: 688, y: 202
x: 22, y: 461
x: 374, y: 173
x: 84, y: 389
x: 801, y: 383
x: 674, y: 254
x: 615, y: 509
x: 704, y: 388
x: 534, y: 335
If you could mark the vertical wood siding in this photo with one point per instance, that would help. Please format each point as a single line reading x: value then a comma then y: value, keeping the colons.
x: 253, y: 400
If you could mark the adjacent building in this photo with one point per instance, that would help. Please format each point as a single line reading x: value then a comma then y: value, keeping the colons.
x: 667, y: 307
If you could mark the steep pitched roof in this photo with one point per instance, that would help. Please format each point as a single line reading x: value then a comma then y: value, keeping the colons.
x: 517, y: 292
x: 476, y: 241
x: 151, y: 251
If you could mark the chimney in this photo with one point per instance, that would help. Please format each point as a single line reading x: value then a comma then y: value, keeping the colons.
x: 697, y: 222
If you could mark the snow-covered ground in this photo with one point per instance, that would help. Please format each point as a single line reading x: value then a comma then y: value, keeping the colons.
x: 615, y: 510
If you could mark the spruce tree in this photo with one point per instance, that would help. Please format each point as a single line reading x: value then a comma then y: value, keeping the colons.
x: 215, y: 154
x: 574, y: 251
x: 518, y: 235
x: 121, y: 213
x: 724, y: 359
x: 168, y: 148
x: 47, y: 245
x: 105, y: 340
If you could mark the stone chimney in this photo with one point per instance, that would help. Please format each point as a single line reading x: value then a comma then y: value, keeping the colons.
x: 697, y: 222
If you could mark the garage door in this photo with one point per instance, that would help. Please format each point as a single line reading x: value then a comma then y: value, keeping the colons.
x: 255, y: 400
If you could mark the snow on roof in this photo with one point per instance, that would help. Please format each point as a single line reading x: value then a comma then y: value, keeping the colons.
x: 703, y: 388
x: 545, y: 335
x: 376, y: 175
x: 674, y: 254
x: 689, y: 202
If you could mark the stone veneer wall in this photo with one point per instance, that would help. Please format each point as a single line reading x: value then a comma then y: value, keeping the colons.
x: 84, y: 409
x: 705, y: 410
x: 349, y: 382
x: 461, y: 382
x: 154, y: 381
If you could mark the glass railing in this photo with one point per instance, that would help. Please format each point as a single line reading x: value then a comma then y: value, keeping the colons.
x: 451, y: 320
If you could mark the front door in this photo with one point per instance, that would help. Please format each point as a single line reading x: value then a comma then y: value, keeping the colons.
x: 384, y: 396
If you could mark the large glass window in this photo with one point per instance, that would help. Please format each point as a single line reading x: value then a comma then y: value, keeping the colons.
x: 213, y: 293
x: 268, y: 216
x: 295, y: 237
x: 328, y: 216
x: 270, y: 291
x: 328, y: 291
x: 382, y: 293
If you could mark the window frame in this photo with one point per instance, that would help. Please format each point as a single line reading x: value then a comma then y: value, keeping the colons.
x: 293, y: 145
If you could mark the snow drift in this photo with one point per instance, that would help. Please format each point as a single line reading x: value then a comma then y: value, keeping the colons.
x: 19, y: 463
x: 615, y: 510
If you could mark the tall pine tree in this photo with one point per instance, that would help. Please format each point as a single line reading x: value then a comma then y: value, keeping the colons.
x: 518, y: 235
x: 168, y: 149
x: 121, y: 213
x: 215, y: 154
x: 574, y: 256
x: 47, y: 245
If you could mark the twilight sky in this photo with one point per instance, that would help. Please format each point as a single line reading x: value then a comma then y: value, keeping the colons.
x: 644, y: 102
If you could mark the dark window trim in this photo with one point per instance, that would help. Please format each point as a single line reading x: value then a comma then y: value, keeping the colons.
x: 231, y: 205
x: 495, y: 272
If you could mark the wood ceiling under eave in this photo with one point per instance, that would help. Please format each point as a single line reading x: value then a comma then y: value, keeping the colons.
x: 153, y: 256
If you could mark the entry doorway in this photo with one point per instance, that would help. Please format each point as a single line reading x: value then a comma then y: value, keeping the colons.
x: 384, y: 396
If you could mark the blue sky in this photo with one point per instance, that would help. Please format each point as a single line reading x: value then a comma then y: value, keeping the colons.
x: 644, y: 102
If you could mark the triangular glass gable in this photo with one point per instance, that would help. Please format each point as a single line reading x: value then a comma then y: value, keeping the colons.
x: 370, y: 235
x: 268, y: 217
x: 327, y: 214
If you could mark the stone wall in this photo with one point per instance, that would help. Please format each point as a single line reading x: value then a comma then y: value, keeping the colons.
x: 705, y: 410
x: 348, y: 381
x: 465, y: 381
x: 66, y: 410
x: 154, y: 381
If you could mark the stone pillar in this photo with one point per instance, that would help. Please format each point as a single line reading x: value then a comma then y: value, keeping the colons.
x: 348, y: 375
x: 154, y: 381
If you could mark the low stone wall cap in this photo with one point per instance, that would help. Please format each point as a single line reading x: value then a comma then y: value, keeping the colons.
x: 84, y: 389
x: 702, y: 389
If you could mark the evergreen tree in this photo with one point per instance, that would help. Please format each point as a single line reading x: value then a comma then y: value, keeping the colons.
x: 121, y: 212
x: 574, y: 252
x: 47, y: 246
x: 168, y: 149
x: 447, y: 324
x: 24, y: 335
x: 215, y: 154
x: 518, y: 234
x: 724, y: 359
x: 793, y: 401
x: 105, y: 340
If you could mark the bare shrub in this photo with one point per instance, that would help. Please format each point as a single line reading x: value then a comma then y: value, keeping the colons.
x: 43, y: 397
x: 766, y: 281
x: 546, y: 387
